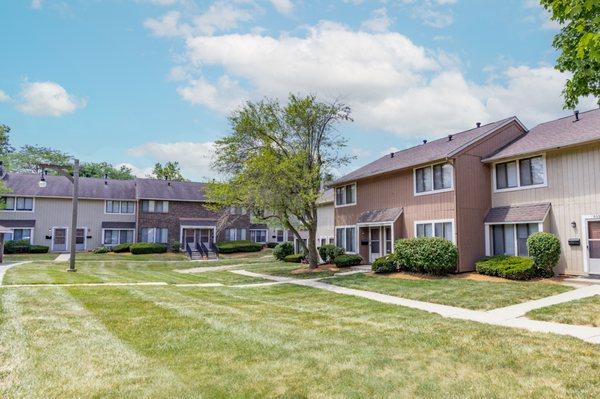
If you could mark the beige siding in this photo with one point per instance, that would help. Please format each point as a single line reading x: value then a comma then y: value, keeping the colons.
x: 574, y: 190
x: 325, y: 227
x: 51, y: 212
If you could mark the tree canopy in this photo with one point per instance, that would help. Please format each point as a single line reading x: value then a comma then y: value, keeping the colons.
x: 170, y: 171
x: 101, y: 169
x: 276, y: 159
x: 579, y: 44
x: 5, y: 147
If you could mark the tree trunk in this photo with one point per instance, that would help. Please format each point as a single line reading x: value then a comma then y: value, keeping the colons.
x: 313, y: 254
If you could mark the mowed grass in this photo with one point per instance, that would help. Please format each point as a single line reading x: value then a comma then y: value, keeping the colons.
x: 478, y: 295
x: 584, y: 311
x: 286, y: 269
x: 279, y: 341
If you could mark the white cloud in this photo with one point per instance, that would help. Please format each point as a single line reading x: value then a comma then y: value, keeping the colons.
x: 136, y: 170
x: 283, y: 6
x: 540, y: 16
x: 194, y: 158
x: 4, y: 97
x: 47, y: 99
x: 36, y: 4
x: 432, y: 15
x: 223, y: 96
x: 379, y: 21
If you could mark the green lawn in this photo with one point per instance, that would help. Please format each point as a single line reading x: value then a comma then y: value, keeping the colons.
x: 25, y: 257
x: 478, y: 295
x: 584, y: 311
x: 285, y: 269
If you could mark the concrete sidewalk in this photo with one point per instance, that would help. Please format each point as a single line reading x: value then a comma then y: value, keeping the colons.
x: 5, y: 266
x: 506, y: 318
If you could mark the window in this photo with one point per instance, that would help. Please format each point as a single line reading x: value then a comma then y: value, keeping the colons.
x: 388, y: 239
x: 434, y: 178
x: 258, y: 235
x: 279, y: 235
x: 442, y: 229
x: 150, y: 206
x: 332, y: 241
x: 154, y: 234
x: 115, y: 237
x: 19, y: 234
x: 127, y: 207
x: 345, y: 195
x: 237, y: 210
x: 511, y: 239
x: 235, y: 234
x: 345, y: 238
x: 526, y: 172
x: 9, y: 203
x: 21, y: 204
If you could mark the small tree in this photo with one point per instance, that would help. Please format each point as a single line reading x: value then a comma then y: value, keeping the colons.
x: 170, y: 171
x: 275, y: 161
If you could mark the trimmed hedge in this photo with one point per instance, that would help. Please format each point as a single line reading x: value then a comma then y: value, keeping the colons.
x: 101, y: 250
x: 329, y: 252
x: 430, y: 255
x: 147, y: 248
x: 39, y: 249
x: 510, y: 267
x: 229, y: 247
x: 294, y: 258
x: 125, y: 247
x: 271, y: 245
x: 347, y: 260
x: 544, y: 248
x: 282, y: 250
x: 17, y: 247
x: 385, y: 264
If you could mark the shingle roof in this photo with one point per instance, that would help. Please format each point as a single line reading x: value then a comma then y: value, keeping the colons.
x: 555, y: 134
x: 425, y: 153
x: 60, y: 186
x: 518, y: 213
x: 17, y: 223
x: 198, y: 222
x: 326, y: 197
x: 169, y: 190
x: 4, y: 230
x: 258, y: 226
x: 380, y: 215
x: 118, y: 225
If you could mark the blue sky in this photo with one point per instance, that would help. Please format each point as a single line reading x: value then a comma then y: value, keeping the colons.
x: 139, y: 81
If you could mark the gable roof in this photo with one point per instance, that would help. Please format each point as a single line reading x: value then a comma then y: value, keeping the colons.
x: 380, y: 215
x: 518, y: 213
x: 425, y: 153
x: 563, y: 132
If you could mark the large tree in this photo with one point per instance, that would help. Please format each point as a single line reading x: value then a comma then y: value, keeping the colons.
x: 276, y: 159
x: 27, y: 159
x: 579, y: 44
x: 101, y: 169
x: 5, y: 147
x: 170, y: 171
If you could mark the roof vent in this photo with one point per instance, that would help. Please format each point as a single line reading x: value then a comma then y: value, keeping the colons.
x: 169, y: 184
x: 478, y: 124
x: 576, y: 115
x: 105, y: 179
x: 392, y: 155
x: 424, y: 141
x: 449, y: 137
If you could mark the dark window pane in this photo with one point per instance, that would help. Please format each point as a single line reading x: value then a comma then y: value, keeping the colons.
x: 350, y: 194
x: 537, y: 170
x: 447, y: 175
x: 501, y: 176
x: 339, y: 199
x: 594, y: 249
x: 438, y: 177
x: 594, y: 230
x: 498, y: 239
x: 525, y: 172
x: 522, y: 235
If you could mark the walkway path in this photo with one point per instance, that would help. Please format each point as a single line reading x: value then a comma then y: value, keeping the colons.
x: 207, y: 269
x: 5, y: 266
x: 63, y: 258
x: 507, y: 318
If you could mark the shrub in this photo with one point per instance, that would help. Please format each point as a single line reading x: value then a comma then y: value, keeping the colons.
x: 147, y: 248
x: 385, y: 264
x: 39, y: 249
x: 229, y: 247
x: 271, y: 245
x: 101, y: 250
x: 294, y: 258
x: 329, y: 252
x: 282, y: 250
x: 510, y: 267
x: 431, y: 255
x: 544, y: 248
x: 125, y: 247
x: 175, y: 246
x: 16, y: 247
x: 347, y: 260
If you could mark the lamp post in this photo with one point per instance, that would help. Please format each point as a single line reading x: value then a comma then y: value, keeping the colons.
x: 74, y: 179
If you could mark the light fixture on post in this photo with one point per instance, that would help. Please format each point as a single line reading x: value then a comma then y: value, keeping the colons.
x: 43, y: 183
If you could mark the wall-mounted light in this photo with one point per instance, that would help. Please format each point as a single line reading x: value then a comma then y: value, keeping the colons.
x: 574, y: 225
x: 42, y: 183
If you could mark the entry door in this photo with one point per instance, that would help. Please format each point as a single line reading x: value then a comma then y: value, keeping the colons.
x: 59, y: 240
x: 80, y: 240
x: 205, y: 237
x: 594, y: 246
x: 374, y: 243
x: 190, y: 237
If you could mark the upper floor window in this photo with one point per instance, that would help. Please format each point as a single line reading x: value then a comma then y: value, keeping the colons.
x: 345, y: 195
x: 127, y: 207
x: 20, y: 204
x: 237, y: 210
x: 434, y: 178
x: 152, y: 206
x: 528, y: 172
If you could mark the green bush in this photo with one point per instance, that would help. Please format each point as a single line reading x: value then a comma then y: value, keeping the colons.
x: 271, y: 245
x: 17, y: 247
x: 347, y: 260
x: 544, y: 248
x: 294, y: 258
x: 282, y: 250
x: 39, y: 249
x: 125, y: 247
x: 229, y: 247
x: 101, y: 250
x: 385, y: 264
x: 329, y: 252
x: 430, y: 255
x: 147, y: 248
x: 175, y: 246
x: 510, y: 267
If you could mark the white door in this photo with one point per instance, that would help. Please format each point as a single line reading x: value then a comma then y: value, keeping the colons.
x: 80, y: 240
x: 374, y: 243
x: 593, y: 246
x: 205, y: 237
x: 190, y: 238
x: 59, y: 239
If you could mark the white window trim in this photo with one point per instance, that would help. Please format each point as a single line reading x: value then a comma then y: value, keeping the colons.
x: 108, y: 245
x: 488, y: 233
x: 66, y: 237
x: 266, y: 235
x: 432, y: 223
x: 584, y: 239
x: 120, y: 208
x: 17, y: 211
x: 356, y: 241
x: 335, y: 205
x: 432, y: 191
x: 519, y: 187
x: 12, y: 231
x: 152, y: 206
x: 181, y: 238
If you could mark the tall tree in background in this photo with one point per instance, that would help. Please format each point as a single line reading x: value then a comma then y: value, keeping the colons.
x: 579, y: 44
x: 170, y: 171
x: 27, y: 159
x: 5, y: 147
x: 276, y: 159
x: 101, y: 169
